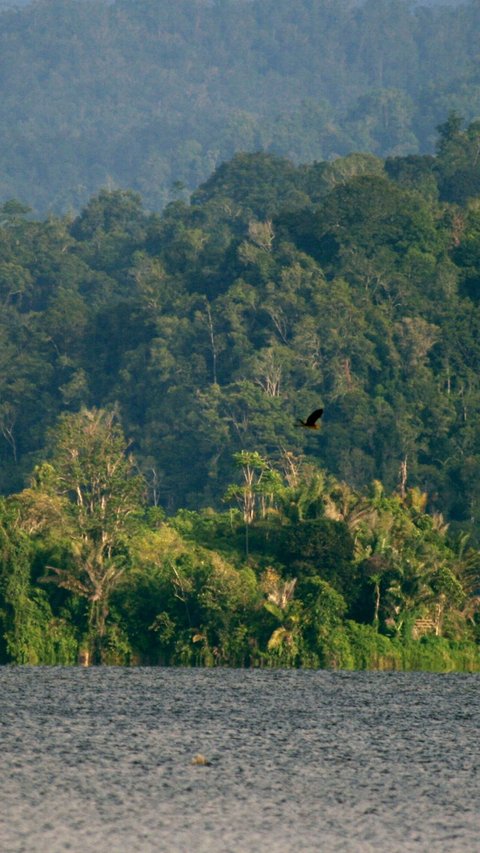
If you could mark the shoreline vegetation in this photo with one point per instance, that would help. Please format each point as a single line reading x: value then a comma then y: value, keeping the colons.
x: 310, y: 574
x: 160, y: 504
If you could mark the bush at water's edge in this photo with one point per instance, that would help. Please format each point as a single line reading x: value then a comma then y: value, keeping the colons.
x: 360, y: 647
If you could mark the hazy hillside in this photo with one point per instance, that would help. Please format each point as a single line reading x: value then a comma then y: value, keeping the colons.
x: 153, y: 95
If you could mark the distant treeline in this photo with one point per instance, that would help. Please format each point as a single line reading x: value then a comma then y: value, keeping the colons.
x: 153, y: 95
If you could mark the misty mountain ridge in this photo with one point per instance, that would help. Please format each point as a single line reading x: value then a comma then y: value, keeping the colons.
x: 154, y: 96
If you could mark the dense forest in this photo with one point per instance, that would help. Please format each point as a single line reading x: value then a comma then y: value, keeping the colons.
x: 152, y: 95
x: 161, y: 503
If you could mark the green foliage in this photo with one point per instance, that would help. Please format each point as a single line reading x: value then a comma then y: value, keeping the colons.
x: 205, y: 334
x: 319, y: 547
x: 217, y: 325
x: 185, y: 603
x: 89, y: 500
x: 155, y: 95
x: 31, y: 633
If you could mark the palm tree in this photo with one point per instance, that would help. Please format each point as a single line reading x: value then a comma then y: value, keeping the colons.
x: 285, y: 640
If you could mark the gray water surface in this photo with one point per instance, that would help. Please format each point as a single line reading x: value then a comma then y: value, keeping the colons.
x: 100, y: 760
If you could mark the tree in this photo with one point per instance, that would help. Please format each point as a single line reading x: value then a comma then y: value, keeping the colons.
x: 261, y: 484
x: 88, y: 497
x: 458, y: 157
x: 286, y: 640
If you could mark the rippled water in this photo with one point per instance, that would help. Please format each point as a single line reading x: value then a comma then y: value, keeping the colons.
x: 100, y: 760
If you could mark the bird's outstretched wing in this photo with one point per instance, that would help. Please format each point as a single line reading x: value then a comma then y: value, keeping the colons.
x: 313, y: 418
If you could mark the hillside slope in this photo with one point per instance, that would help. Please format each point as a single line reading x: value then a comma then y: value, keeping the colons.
x: 214, y: 326
x: 154, y: 95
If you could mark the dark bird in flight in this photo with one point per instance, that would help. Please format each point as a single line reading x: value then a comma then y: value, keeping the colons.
x: 311, y: 422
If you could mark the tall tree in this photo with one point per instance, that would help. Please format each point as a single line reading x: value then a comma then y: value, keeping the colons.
x: 89, y: 497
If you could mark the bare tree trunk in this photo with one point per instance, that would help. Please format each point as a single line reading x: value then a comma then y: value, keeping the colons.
x: 376, y: 621
x: 212, y: 342
x: 7, y: 428
x: 154, y: 486
x: 97, y: 629
x: 403, y: 477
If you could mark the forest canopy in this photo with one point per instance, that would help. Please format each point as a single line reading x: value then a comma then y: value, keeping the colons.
x: 213, y: 326
x: 162, y: 504
x: 153, y: 96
